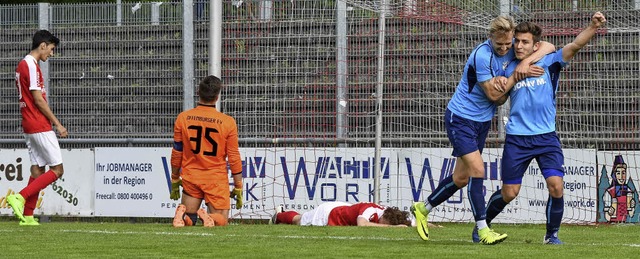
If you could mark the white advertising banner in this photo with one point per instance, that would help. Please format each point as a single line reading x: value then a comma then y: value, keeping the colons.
x: 133, y: 182
x: 427, y: 167
x: 71, y: 195
x: 136, y: 181
x: 580, y: 199
x: 302, y: 178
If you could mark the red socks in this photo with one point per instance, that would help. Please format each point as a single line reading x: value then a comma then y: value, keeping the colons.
x: 286, y: 217
x: 34, y: 187
x: 30, y: 203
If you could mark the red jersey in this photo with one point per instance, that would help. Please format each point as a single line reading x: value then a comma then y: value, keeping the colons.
x: 29, y: 77
x: 209, y: 138
x: 348, y: 215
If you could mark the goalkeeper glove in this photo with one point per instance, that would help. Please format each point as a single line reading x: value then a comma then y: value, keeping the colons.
x: 237, y: 194
x: 175, y: 190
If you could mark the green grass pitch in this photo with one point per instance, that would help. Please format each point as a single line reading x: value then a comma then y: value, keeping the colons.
x: 160, y: 240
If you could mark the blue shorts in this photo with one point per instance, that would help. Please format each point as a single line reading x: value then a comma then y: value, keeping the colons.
x: 465, y: 135
x: 520, y: 150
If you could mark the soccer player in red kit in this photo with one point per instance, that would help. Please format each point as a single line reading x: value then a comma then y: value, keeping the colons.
x: 345, y: 214
x: 37, y: 119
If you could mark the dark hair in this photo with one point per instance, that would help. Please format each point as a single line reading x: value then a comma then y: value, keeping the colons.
x: 395, y: 216
x: 529, y: 27
x: 209, y: 88
x: 44, y: 36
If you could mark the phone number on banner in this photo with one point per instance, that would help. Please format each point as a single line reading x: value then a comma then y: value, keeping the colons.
x: 125, y: 196
x: 135, y: 196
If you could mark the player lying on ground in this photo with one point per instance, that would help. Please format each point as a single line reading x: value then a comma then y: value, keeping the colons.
x: 344, y: 214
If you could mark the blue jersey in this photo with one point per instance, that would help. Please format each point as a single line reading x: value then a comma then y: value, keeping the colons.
x: 533, y: 100
x: 469, y: 100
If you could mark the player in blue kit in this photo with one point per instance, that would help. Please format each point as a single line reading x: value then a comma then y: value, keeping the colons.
x: 468, y: 119
x: 531, y: 130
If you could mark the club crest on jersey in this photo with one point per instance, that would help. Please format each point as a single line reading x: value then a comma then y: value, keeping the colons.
x: 505, y: 64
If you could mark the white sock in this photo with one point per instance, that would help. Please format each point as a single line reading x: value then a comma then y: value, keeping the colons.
x: 481, y: 224
x: 428, y: 206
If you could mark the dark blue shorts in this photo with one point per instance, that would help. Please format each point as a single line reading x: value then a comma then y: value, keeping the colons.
x: 520, y: 150
x: 465, y: 135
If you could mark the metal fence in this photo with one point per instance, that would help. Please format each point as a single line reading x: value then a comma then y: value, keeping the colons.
x: 302, y: 73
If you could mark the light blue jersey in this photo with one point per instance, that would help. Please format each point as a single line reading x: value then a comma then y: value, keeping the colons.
x: 469, y: 100
x: 533, y: 100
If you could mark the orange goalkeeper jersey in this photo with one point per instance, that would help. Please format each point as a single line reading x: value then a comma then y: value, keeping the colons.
x: 209, y: 138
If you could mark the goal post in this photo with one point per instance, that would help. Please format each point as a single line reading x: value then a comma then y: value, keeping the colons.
x: 312, y: 142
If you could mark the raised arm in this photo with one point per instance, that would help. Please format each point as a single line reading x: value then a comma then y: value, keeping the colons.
x: 570, y: 50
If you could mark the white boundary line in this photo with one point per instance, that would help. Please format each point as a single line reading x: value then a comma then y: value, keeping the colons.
x: 167, y: 233
x: 115, y: 232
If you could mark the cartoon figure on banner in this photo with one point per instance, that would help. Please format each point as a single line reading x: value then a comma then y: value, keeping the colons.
x: 619, y: 198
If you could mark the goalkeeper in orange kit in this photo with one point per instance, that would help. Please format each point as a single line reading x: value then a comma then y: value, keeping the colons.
x: 204, y: 141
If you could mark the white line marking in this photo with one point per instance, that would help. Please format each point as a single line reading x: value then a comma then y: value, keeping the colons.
x: 116, y: 232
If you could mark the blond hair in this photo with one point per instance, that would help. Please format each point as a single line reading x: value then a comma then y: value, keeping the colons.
x: 502, y: 24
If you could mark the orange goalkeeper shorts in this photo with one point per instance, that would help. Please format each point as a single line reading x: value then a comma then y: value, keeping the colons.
x: 214, y: 192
